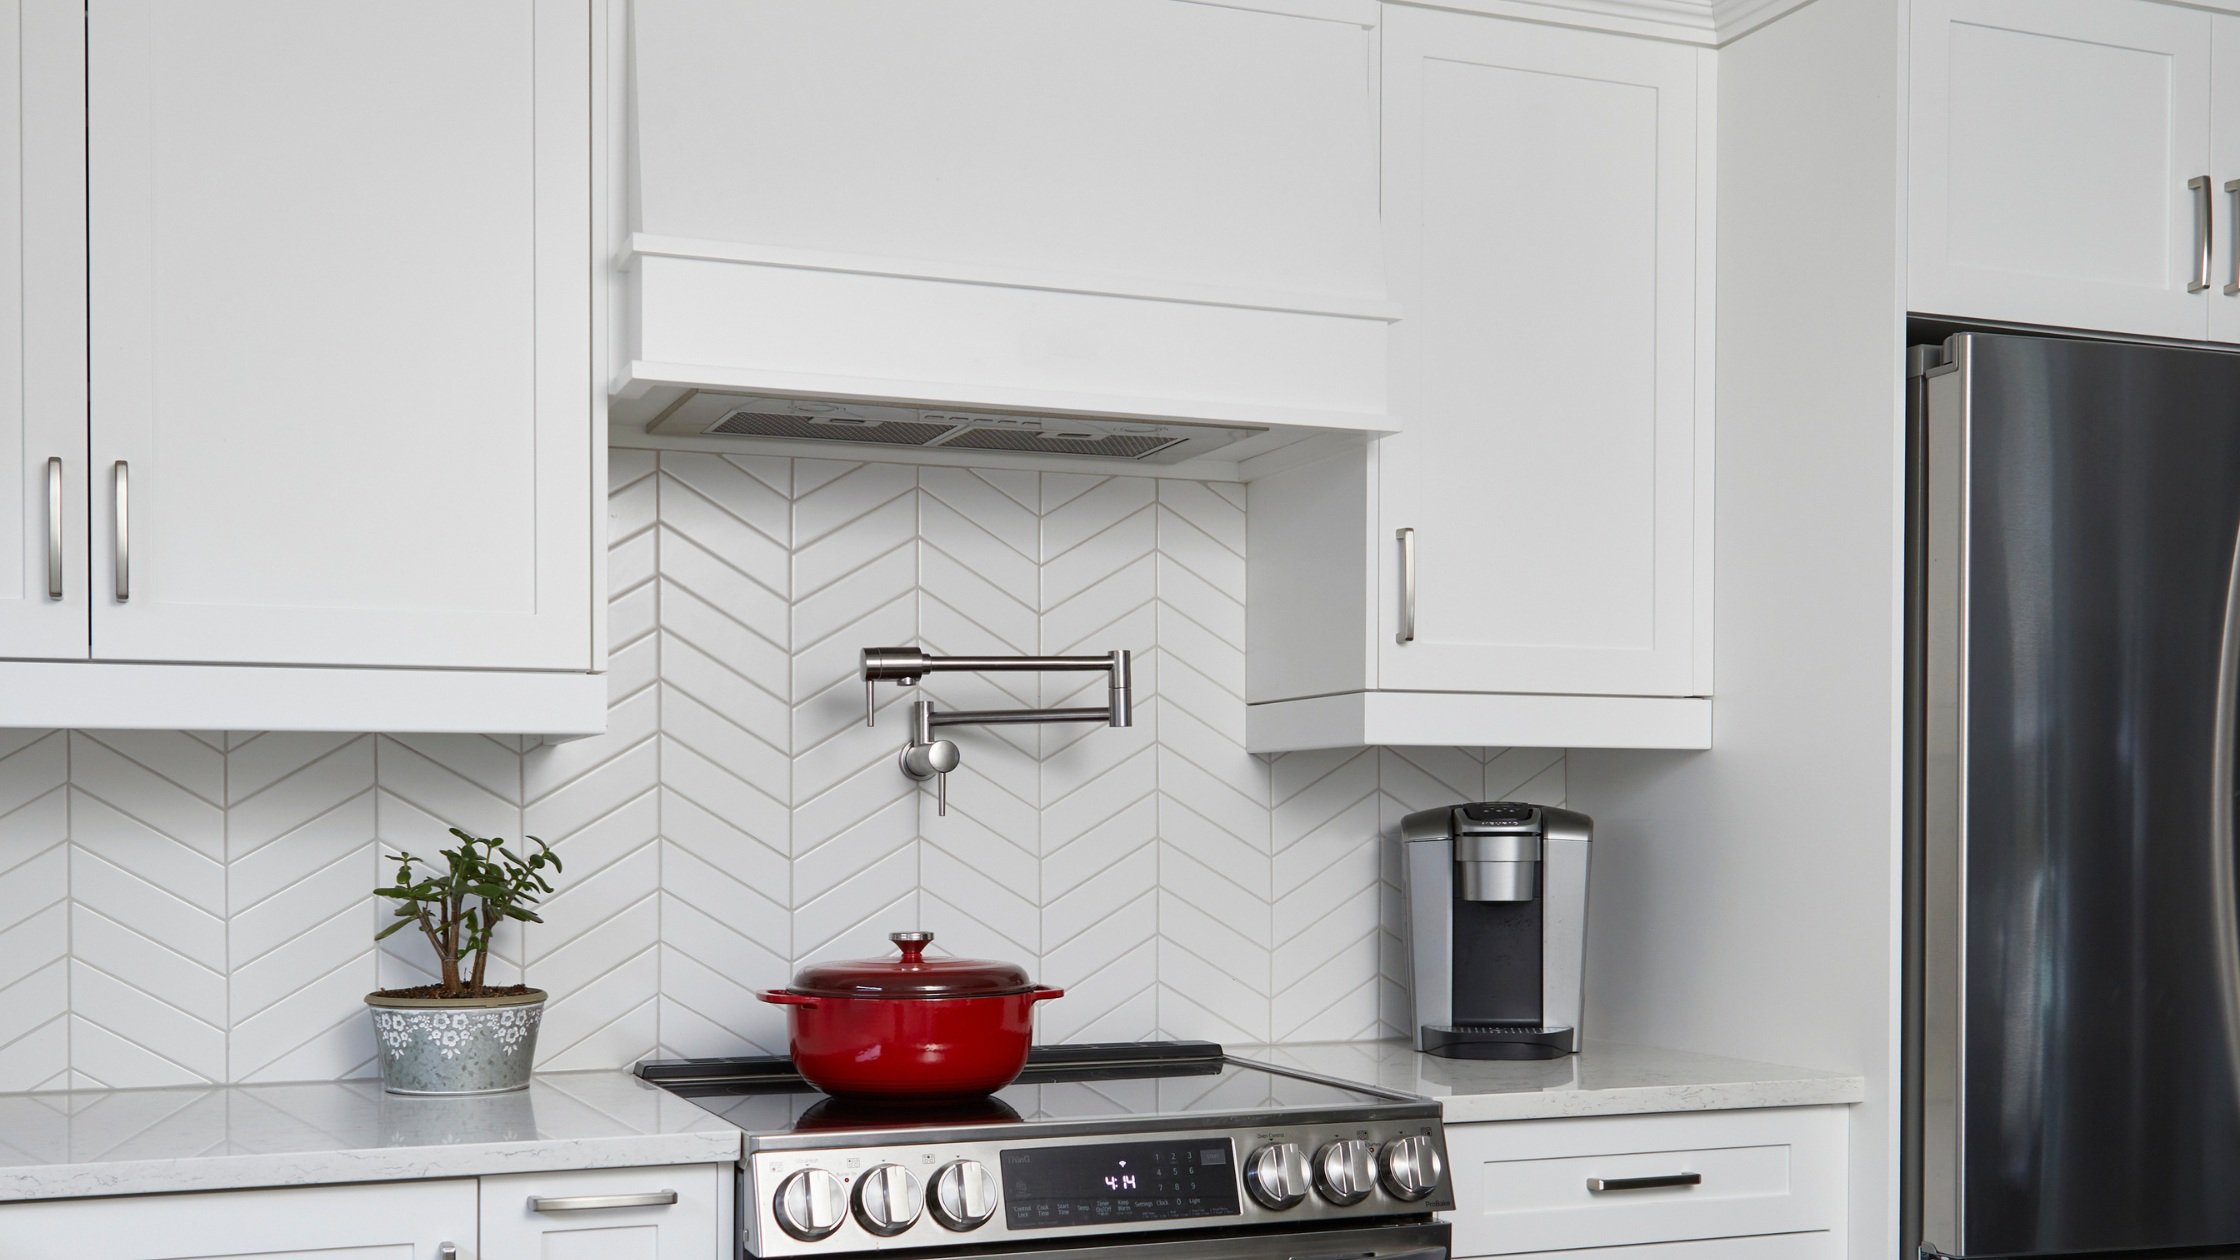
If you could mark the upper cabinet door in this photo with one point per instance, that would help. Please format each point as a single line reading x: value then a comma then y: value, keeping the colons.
x: 2224, y: 166
x: 1541, y: 205
x: 42, y: 330
x: 2053, y: 145
x: 341, y: 328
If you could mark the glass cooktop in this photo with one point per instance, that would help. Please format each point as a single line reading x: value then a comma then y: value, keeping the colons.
x: 1125, y: 1081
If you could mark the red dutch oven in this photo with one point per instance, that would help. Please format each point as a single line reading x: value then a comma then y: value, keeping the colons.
x: 911, y: 1026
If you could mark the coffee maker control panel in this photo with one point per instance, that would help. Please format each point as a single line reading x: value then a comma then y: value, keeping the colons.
x: 1502, y: 814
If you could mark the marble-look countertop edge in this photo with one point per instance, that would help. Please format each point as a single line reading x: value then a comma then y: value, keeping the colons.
x: 418, y: 1163
x: 1653, y: 1099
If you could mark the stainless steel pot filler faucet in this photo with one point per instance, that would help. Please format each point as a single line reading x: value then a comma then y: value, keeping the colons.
x: 925, y: 757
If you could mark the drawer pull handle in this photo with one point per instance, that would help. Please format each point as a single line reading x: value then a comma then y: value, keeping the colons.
x: 1603, y: 1185
x: 595, y: 1202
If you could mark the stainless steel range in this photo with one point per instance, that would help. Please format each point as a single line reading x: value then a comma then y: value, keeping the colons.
x: 1160, y: 1149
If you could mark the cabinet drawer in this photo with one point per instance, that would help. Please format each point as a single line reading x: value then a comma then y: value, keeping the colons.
x: 1819, y: 1245
x: 1528, y: 1186
x: 673, y: 1212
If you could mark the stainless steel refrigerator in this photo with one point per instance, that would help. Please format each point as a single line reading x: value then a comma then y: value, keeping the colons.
x: 2072, y: 1073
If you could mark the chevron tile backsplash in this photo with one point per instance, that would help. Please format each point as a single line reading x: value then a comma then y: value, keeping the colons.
x: 191, y: 906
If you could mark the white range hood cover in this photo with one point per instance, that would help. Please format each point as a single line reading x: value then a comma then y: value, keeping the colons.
x: 1153, y: 209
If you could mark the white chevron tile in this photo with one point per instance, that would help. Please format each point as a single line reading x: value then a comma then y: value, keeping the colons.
x: 738, y: 818
x: 710, y: 969
x: 710, y: 790
x: 852, y: 918
x: 727, y: 875
x: 34, y: 909
x: 299, y: 909
x: 1525, y: 774
x: 974, y: 914
x: 731, y: 518
x: 746, y: 635
x: 1328, y: 895
x: 417, y: 799
x: 851, y: 828
x: 147, y: 884
x: 596, y: 801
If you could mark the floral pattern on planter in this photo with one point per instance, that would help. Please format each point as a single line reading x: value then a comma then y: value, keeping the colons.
x: 430, y: 1050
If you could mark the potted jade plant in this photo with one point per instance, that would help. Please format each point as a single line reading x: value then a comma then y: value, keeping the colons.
x: 460, y: 1035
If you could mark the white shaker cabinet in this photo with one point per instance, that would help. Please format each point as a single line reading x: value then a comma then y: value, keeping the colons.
x: 1528, y: 560
x: 412, y: 1220
x: 42, y: 330
x: 326, y: 269
x: 2224, y: 164
x: 2060, y: 167
x: 672, y: 1213
x: 341, y: 331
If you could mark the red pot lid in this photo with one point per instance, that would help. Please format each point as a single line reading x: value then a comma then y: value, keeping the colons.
x: 913, y: 975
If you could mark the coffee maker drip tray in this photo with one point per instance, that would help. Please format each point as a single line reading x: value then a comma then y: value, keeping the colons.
x: 1499, y: 1041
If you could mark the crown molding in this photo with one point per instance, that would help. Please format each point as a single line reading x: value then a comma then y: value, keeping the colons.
x: 1706, y: 22
x: 1734, y: 18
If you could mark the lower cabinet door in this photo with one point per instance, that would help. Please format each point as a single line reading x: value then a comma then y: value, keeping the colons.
x: 679, y: 1212
x: 411, y: 1220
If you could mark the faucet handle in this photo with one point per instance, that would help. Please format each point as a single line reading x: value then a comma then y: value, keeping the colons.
x: 933, y: 759
x: 870, y: 700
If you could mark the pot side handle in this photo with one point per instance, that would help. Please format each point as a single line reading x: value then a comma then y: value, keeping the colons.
x: 780, y: 997
x: 1044, y: 994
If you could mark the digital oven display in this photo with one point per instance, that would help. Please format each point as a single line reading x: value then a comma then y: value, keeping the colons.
x: 1046, y: 1187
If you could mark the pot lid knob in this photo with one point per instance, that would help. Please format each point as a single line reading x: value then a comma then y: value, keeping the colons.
x: 913, y: 945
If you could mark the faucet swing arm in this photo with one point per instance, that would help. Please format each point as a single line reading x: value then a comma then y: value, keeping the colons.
x: 925, y: 757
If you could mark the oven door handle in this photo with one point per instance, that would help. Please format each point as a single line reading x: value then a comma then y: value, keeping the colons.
x: 1415, y: 1253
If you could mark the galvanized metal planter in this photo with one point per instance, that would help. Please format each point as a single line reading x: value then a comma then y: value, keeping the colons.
x: 482, y: 1045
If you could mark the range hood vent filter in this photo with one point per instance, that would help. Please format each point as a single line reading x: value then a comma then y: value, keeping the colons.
x: 1070, y: 442
x: 827, y: 429
x: 711, y: 413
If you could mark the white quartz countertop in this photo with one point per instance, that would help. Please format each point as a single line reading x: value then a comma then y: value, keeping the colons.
x: 1604, y: 1079
x: 149, y: 1141
x: 146, y: 1141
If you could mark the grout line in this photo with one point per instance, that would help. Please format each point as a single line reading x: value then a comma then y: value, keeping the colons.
x: 660, y: 768
x: 70, y: 915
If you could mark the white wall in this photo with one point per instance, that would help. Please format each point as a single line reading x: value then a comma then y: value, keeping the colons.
x: 1747, y: 898
x: 193, y: 906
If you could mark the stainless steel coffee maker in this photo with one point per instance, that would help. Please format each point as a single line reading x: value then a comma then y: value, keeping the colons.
x: 1497, y: 928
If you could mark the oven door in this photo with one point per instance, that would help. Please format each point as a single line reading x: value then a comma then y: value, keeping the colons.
x: 1417, y: 1240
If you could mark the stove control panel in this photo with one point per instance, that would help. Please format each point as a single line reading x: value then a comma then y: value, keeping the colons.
x: 923, y: 1190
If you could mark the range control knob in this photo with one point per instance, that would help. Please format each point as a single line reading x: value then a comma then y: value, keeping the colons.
x: 1410, y: 1167
x: 810, y: 1204
x: 887, y: 1199
x: 963, y: 1195
x: 1277, y: 1175
x: 1345, y: 1171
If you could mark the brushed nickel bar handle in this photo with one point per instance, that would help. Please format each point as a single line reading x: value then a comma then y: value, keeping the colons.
x: 599, y: 1202
x: 1407, y: 538
x: 1603, y: 1185
x: 2204, y: 229
x: 447, y: 1251
x: 123, y: 509
x: 54, y: 527
x: 2232, y: 190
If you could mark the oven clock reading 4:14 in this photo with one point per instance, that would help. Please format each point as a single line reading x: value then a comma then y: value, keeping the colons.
x: 1053, y: 1186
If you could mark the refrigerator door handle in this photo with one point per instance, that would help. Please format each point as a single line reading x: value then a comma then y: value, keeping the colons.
x: 2224, y: 891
